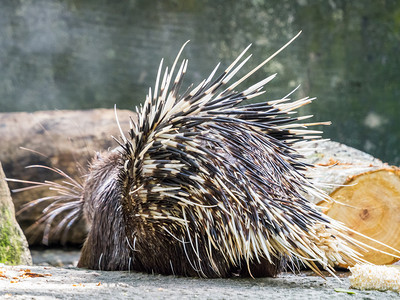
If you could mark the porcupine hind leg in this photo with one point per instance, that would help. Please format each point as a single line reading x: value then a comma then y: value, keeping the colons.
x: 264, y: 268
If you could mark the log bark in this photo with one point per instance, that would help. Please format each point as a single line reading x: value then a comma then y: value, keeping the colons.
x: 335, y: 163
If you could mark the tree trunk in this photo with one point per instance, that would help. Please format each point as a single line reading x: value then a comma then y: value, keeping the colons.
x: 13, y: 245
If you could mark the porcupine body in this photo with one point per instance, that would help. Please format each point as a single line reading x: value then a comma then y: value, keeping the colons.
x: 205, y: 185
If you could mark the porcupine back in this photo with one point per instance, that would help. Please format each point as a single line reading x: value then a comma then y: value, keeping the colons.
x: 205, y: 185
x: 210, y: 186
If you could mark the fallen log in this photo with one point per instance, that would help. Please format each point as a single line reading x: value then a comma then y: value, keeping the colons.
x: 365, y: 193
x: 66, y: 140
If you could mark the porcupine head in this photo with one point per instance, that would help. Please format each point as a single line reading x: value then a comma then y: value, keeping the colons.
x: 205, y: 185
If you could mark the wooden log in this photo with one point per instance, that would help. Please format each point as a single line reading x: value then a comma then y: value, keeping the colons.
x: 366, y: 194
x: 61, y: 139
x: 370, y: 204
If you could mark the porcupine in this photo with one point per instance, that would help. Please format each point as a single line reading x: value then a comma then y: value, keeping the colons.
x: 204, y: 185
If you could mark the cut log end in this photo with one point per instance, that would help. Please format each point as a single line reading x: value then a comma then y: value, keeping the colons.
x: 369, y: 203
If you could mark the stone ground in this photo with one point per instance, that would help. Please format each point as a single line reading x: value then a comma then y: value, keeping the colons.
x: 43, y: 281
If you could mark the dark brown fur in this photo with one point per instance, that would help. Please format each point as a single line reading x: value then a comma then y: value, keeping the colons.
x: 110, y: 244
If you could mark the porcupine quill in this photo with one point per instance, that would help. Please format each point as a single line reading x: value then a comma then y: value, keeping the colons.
x: 204, y: 185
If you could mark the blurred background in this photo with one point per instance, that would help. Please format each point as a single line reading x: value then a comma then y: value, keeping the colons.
x: 88, y: 54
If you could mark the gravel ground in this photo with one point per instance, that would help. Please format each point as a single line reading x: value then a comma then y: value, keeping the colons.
x: 48, y: 282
